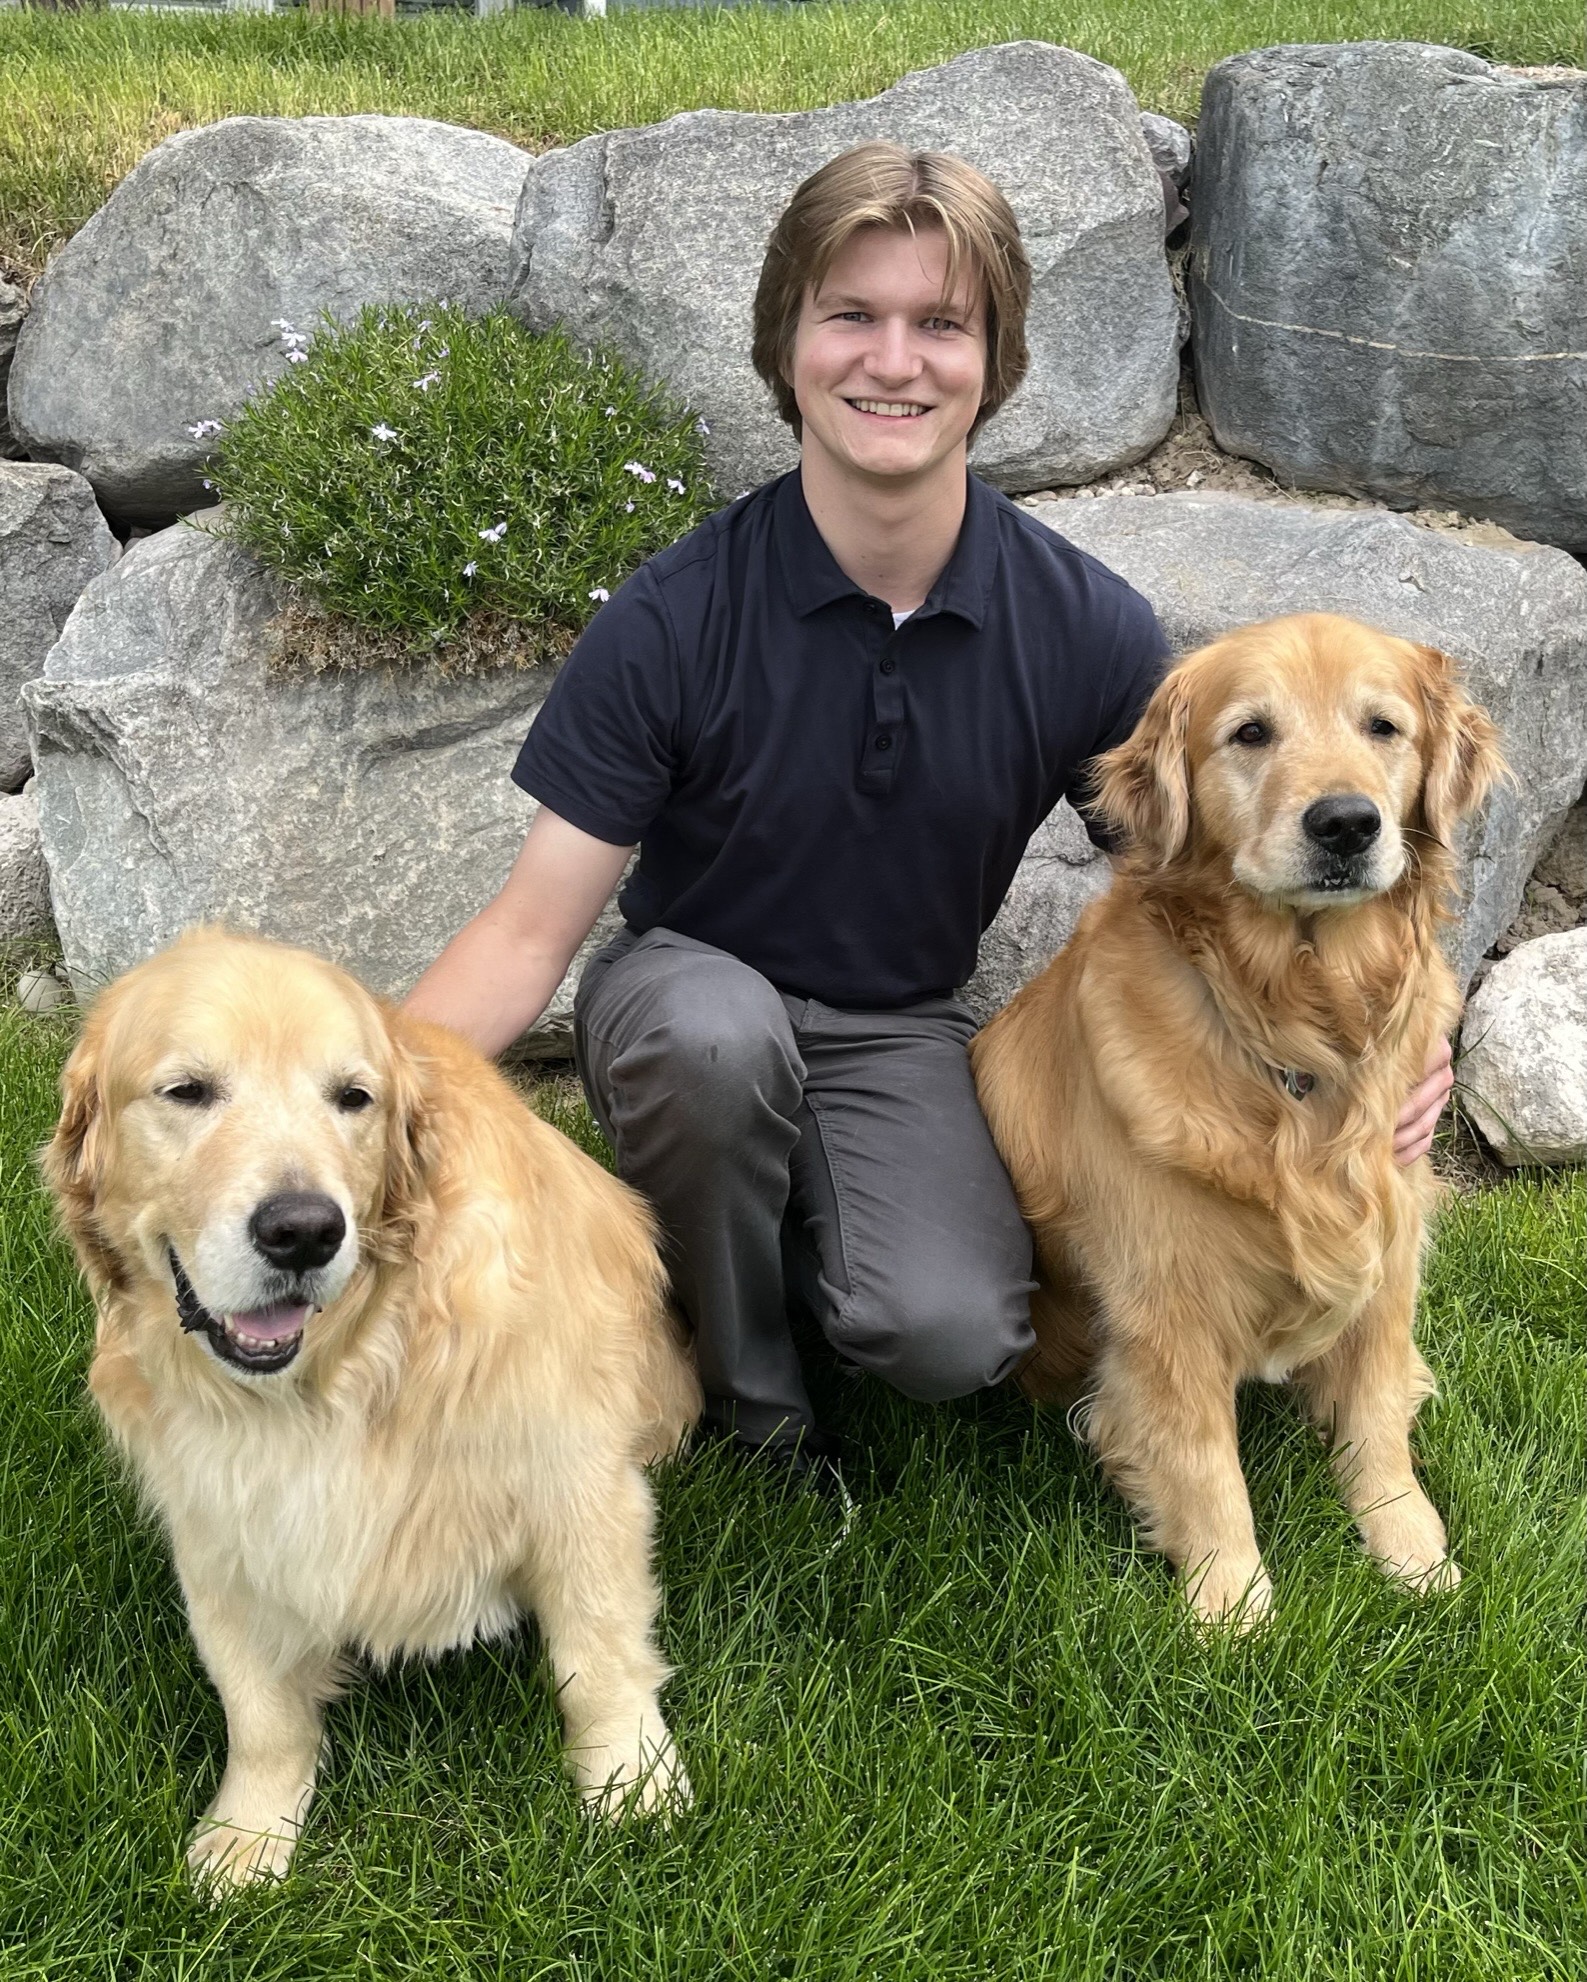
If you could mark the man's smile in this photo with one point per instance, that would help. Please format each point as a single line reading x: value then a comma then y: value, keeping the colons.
x: 890, y: 409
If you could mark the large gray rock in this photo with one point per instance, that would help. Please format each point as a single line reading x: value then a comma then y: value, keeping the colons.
x: 24, y: 881
x: 1061, y: 871
x: 13, y: 308
x: 166, y: 310
x: 651, y: 241
x: 1523, y: 1065
x: 364, y: 815
x: 1515, y: 618
x: 53, y: 540
x: 1389, y: 277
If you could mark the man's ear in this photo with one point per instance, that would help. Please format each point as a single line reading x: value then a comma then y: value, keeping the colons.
x: 74, y: 1159
x: 1143, y: 785
x: 1463, y: 760
x: 410, y: 1139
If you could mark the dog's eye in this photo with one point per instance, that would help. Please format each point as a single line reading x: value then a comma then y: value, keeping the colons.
x: 352, y: 1099
x: 1381, y: 726
x: 1251, y: 733
x: 189, y: 1093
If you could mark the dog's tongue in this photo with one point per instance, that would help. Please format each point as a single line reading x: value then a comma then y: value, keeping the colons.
x: 268, y: 1324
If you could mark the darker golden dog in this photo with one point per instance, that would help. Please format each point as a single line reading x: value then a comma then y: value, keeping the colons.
x: 1196, y: 1100
x: 387, y: 1355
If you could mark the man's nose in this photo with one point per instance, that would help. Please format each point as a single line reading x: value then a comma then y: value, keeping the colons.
x: 893, y: 355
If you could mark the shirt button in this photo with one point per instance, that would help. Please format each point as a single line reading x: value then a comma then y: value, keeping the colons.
x: 889, y: 665
x: 884, y: 741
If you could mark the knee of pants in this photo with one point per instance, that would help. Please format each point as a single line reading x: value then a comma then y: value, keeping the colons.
x: 724, y: 1052
x: 933, y: 1348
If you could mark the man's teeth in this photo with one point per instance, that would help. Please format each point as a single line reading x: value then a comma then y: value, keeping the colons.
x: 890, y: 409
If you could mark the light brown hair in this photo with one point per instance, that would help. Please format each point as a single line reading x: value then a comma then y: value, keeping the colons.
x: 882, y: 185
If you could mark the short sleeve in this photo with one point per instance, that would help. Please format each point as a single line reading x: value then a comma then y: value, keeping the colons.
x: 601, y: 753
x: 1141, y: 655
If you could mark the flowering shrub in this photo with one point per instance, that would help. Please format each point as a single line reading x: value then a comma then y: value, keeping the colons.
x: 423, y: 473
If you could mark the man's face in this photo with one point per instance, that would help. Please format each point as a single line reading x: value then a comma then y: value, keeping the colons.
x: 888, y: 370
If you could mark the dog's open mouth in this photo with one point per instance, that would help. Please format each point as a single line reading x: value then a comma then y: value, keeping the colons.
x: 261, y: 1340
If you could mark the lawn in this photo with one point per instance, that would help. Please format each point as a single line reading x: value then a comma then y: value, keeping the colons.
x: 970, y: 1734
x: 85, y: 95
x: 967, y: 1733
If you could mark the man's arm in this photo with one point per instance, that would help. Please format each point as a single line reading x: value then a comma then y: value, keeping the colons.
x: 498, y: 973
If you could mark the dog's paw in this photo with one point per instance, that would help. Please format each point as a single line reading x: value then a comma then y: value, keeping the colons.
x: 1229, y: 1593
x: 633, y: 1778
x: 1406, y: 1538
x: 1424, y: 1576
x: 223, y: 1857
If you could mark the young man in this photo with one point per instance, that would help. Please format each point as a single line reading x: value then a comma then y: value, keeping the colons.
x: 829, y: 718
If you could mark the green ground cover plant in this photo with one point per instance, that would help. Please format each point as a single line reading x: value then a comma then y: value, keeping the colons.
x: 424, y: 475
x: 86, y: 94
x: 968, y: 1736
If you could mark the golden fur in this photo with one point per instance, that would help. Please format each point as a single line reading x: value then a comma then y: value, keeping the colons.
x: 1197, y: 1222
x: 459, y: 1435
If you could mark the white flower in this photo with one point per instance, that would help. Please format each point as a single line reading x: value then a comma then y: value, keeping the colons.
x: 423, y: 327
x: 470, y: 568
x: 297, y: 357
x: 383, y: 432
x: 702, y: 426
x: 429, y: 379
x: 204, y: 429
x: 675, y: 485
x: 600, y: 593
x: 638, y: 468
x: 445, y: 351
x: 493, y: 535
x: 207, y: 484
x: 279, y: 323
x: 611, y: 412
x: 628, y: 509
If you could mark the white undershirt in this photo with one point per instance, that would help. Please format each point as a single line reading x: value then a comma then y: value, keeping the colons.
x: 900, y: 617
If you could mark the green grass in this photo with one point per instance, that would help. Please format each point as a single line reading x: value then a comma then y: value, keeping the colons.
x: 973, y: 1736
x: 544, y: 476
x: 86, y: 95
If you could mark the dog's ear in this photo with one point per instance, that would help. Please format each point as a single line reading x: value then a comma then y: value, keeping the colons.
x: 74, y: 1159
x: 410, y: 1137
x: 1143, y: 785
x: 1463, y: 759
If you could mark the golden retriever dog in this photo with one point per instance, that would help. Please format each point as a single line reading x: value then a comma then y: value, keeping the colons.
x: 1196, y: 1099
x: 387, y: 1355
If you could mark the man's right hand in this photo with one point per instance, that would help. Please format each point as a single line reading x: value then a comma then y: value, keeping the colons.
x: 499, y: 972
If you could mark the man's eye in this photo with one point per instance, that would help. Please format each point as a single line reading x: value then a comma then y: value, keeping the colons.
x: 1251, y: 734
x: 189, y: 1093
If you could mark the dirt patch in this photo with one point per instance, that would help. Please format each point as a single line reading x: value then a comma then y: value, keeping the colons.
x: 305, y: 640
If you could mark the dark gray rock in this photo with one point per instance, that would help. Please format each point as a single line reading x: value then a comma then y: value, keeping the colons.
x: 1389, y: 277
x: 1514, y: 618
x: 365, y: 815
x: 13, y: 308
x: 165, y: 311
x: 651, y: 241
x: 53, y: 540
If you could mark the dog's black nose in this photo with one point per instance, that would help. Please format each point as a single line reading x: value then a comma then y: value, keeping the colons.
x: 1343, y: 823
x: 298, y: 1230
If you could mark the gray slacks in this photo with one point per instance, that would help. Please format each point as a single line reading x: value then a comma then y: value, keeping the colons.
x: 795, y: 1153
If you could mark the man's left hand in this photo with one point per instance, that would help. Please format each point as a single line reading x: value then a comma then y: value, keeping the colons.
x: 1413, y: 1131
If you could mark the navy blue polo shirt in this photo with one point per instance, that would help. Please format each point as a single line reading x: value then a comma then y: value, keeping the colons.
x: 839, y: 803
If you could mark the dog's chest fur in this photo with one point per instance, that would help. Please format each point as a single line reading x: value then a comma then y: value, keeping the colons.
x: 342, y: 1536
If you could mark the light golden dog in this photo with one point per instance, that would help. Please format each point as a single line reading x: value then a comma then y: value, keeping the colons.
x: 1196, y: 1099
x: 387, y: 1354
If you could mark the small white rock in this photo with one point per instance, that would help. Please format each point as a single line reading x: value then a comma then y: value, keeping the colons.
x: 40, y: 991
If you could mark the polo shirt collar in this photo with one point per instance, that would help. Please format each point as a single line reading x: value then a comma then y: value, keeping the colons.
x: 813, y: 578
